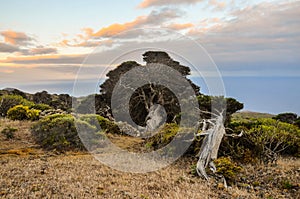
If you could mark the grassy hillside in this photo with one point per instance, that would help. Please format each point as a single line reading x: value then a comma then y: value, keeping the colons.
x: 45, y: 158
x: 28, y: 170
x: 250, y: 114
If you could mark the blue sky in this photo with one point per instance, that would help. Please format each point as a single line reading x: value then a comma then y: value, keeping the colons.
x: 255, y: 44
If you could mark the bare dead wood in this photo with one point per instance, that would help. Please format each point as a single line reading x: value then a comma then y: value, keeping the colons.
x: 214, y: 131
x: 211, y: 143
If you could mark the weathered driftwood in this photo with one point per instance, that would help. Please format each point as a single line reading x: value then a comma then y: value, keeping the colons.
x: 214, y: 131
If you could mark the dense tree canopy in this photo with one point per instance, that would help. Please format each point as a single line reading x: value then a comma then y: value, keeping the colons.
x: 286, y: 117
x: 147, y: 95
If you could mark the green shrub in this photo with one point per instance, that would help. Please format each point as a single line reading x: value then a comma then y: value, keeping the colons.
x: 20, y: 112
x: 226, y: 167
x: 33, y: 114
x: 9, y: 101
x: 297, y: 122
x: 105, y: 124
x: 263, y: 139
x: 41, y: 107
x: 164, y: 136
x: 167, y: 133
x: 59, y: 131
x: 277, y: 135
x: 286, y: 117
x: 109, y: 126
x: 9, y: 132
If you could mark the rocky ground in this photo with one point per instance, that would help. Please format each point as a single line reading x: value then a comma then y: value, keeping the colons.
x: 29, y: 172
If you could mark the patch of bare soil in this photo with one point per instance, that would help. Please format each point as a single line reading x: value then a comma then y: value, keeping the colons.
x: 29, y: 172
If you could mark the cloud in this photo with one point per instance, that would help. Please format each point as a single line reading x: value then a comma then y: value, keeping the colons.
x: 7, y: 71
x: 42, y: 50
x: 22, y: 44
x: 265, y: 35
x: 87, y: 43
x: 91, y: 43
x: 8, y: 48
x: 178, y: 26
x: 214, y: 20
x: 152, y: 3
x: 262, y: 33
x: 88, y: 31
x: 154, y: 18
x: 129, y: 30
x: 64, y: 42
x: 46, y: 59
x: 117, y: 28
x: 217, y: 5
x: 16, y: 38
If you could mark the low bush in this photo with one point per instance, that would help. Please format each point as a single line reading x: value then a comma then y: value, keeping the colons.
x: 278, y: 137
x: 286, y: 117
x: 59, y: 131
x: 18, y: 112
x: 9, y: 101
x: 9, y: 132
x: 167, y: 133
x: 33, y: 114
x: 297, y: 122
x: 263, y: 140
x: 41, y: 107
x: 105, y: 124
x: 21, y: 112
x: 163, y: 137
x: 227, y: 168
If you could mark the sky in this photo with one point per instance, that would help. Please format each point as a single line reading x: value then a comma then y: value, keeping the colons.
x: 253, y: 46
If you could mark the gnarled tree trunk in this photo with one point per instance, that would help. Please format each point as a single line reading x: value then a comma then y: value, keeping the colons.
x: 211, y: 143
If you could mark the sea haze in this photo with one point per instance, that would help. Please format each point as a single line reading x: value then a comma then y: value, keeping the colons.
x: 262, y: 94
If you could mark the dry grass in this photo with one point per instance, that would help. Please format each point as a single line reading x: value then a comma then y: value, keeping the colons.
x: 273, y: 181
x: 81, y: 176
x: 22, y: 138
x: 128, y: 143
x: 29, y: 172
